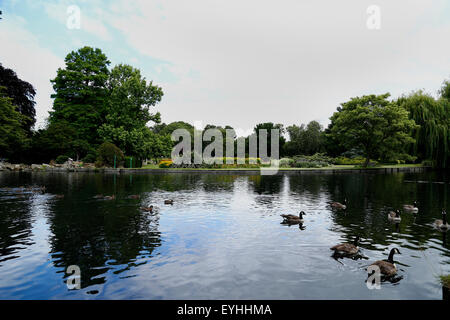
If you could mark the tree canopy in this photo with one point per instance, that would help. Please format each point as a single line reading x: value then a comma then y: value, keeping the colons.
x: 306, y: 140
x: 22, y: 94
x: 93, y: 104
x: 378, y: 127
x: 80, y: 93
x: 127, y: 107
x: 433, y: 117
x: 12, y: 135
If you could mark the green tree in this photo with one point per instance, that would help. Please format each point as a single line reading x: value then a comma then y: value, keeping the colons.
x: 433, y: 117
x: 13, y: 137
x: 22, y: 94
x: 157, y: 145
x: 445, y: 90
x: 109, y: 154
x: 80, y: 93
x: 378, y: 127
x: 306, y: 140
x: 57, y: 139
x: 167, y: 129
x: 128, y: 109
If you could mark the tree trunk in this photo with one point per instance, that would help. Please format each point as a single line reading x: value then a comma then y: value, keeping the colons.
x: 366, y: 163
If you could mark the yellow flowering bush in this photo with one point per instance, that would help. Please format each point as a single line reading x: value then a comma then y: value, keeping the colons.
x: 165, y: 163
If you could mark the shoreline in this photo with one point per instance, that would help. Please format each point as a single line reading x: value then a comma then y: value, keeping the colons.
x: 237, y: 171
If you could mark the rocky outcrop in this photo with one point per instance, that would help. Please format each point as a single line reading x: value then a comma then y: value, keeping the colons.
x: 67, y: 166
x: 14, y: 167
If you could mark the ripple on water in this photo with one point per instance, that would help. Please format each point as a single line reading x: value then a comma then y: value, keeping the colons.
x: 221, y: 238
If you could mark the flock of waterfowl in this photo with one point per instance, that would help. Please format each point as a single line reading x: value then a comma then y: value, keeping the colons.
x: 351, y: 250
x: 387, y: 267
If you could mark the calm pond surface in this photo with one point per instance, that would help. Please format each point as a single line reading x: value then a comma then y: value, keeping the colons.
x: 221, y: 238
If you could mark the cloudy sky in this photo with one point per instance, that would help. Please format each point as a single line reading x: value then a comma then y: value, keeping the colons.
x: 235, y: 62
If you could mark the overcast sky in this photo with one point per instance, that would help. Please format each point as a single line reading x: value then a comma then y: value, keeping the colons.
x: 241, y: 62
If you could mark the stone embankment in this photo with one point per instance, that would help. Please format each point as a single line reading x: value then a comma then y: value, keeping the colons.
x: 67, y: 166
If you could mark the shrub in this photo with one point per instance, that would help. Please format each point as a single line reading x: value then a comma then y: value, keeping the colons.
x: 90, y: 158
x: 286, y: 162
x: 165, y: 163
x: 106, y: 153
x: 61, y: 159
x: 317, y: 160
x: 357, y: 161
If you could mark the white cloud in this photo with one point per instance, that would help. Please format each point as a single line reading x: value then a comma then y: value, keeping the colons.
x: 244, y: 62
x: 285, y: 62
x: 31, y: 62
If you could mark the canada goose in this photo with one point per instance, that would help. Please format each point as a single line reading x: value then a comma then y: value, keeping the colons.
x: 442, y: 224
x: 134, y: 196
x: 347, y: 248
x: 411, y: 208
x: 291, y: 219
x: 148, y: 209
x: 168, y: 201
x: 109, y: 197
x: 387, y: 267
x: 339, y: 205
x: 394, y: 216
x: 59, y: 196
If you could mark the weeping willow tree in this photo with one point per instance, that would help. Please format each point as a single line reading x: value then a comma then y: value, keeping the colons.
x: 432, y: 136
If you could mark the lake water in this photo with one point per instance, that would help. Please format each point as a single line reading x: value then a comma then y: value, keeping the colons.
x: 221, y: 238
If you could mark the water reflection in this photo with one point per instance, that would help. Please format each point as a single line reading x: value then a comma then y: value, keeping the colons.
x: 222, y: 225
x: 16, y: 222
x: 99, y: 236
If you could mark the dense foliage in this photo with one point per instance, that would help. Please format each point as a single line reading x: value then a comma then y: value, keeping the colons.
x: 81, y: 93
x: 22, y: 94
x: 433, y: 117
x: 127, y: 110
x: 379, y: 128
x: 109, y: 155
x: 307, y: 140
x: 100, y: 112
x: 13, y: 136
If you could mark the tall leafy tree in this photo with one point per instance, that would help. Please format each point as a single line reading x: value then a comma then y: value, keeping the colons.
x: 304, y: 139
x: 433, y: 117
x: 12, y: 135
x: 157, y: 145
x: 378, y: 127
x: 128, y: 109
x: 80, y: 93
x: 269, y: 126
x: 22, y: 94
